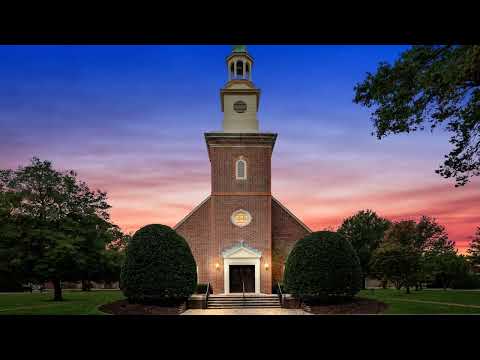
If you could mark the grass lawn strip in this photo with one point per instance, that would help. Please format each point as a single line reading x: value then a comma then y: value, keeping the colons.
x: 434, y: 302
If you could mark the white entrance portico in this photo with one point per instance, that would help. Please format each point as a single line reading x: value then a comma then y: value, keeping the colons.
x: 239, y: 255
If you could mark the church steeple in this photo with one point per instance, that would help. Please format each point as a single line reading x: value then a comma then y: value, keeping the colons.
x: 240, y: 98
x: 239, y: 64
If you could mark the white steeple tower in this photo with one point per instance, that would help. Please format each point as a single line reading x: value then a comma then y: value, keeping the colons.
x: 240, y: 98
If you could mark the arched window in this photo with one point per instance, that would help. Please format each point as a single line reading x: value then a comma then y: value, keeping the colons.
x: 241, y: 169
x: 247, y: 71
x: 232, y: 70
x: 239, y: 69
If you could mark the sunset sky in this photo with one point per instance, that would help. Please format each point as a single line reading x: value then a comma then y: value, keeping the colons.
x: 130, y: 120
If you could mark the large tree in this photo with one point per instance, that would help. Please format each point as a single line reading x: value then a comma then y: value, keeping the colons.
x: 474, y: 249
x: 398, y: 259
x: 429, y: 87
x: 365, y: 231
x: 437, y: 250
x: 55, y: 226
x: 413, y: 252
x: 432, y: 236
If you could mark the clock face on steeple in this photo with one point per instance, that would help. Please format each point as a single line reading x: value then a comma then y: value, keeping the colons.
x: 240, y: 106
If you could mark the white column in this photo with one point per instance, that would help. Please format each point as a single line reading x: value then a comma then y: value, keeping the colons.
x: 226, y: 276
x: 257, y: 276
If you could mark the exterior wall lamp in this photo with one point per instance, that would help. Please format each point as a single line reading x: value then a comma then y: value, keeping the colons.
x: 217, y: 266
x: 266, y: 266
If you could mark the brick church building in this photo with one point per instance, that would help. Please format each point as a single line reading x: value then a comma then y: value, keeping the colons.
x: 240, y: 235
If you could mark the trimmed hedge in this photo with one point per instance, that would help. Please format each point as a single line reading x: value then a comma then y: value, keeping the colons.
x: 323, y: 266
x: 467, y: 282
x: 159, y: 267
x: 8, y: 283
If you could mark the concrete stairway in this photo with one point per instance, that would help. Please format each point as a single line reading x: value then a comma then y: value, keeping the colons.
x: 239, y: 302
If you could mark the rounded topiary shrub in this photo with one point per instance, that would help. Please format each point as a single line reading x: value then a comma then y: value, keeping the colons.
x: 323, y: 266
x: 159, y: 267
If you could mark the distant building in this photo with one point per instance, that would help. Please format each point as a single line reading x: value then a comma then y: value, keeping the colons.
x: 241, y: 235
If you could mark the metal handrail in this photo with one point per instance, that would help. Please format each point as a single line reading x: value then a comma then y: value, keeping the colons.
x: 207, y: 293
x: 280, y: 293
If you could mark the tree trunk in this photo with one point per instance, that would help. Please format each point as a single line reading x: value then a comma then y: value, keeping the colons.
x: 408, y: 289
x: 86, y: 285
x: 57, y: 290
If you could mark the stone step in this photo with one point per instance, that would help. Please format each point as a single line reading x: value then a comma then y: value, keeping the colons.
x: 243, y: 307
x: 241, y: 298
x: 243, y: 301
x: 240, y: 305
x: 239, y: 302
x: 246, y: 304
x: 237, y: 306
x: 246, y: 299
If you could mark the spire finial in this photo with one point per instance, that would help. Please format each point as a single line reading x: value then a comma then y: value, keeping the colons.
x: 239, y: 48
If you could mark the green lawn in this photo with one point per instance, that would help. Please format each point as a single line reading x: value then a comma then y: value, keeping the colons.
x: 87, y: 303
x: 425, y: 301
x: 75, y: 303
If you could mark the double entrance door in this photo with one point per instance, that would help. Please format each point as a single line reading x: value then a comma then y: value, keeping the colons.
x: 240, y: 276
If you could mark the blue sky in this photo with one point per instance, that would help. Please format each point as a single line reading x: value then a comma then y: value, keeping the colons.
x: 130, y: 120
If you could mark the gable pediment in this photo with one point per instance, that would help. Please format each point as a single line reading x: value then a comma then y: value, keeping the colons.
x: 241, y: 251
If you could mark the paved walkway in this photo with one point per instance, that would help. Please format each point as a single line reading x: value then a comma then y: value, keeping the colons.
x: 275, y: 311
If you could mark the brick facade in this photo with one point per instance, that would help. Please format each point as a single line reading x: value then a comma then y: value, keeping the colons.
x: 286, y: 230
x: 209, y: 230
x: 196, y: 230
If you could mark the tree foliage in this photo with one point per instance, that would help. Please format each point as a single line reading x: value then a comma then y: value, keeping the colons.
x: 412, y: 253
x: 474, y: 249
x: 323, y: 265
x: 429, y: 87
x: 397, y: 259
x: 365, y: 231
x: 159, y: 267
x: 52, y: 226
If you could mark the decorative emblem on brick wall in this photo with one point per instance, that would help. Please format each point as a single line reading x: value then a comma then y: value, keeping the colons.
x: 241, y: 218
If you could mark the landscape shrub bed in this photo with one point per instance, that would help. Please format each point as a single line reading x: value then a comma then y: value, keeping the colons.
x: 323, y: 267
x: 159, y: 267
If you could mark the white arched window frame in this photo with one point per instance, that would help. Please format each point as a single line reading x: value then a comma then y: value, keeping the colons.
x: 231, y: 74
x: 239, y: 70
x: 241, y: 169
